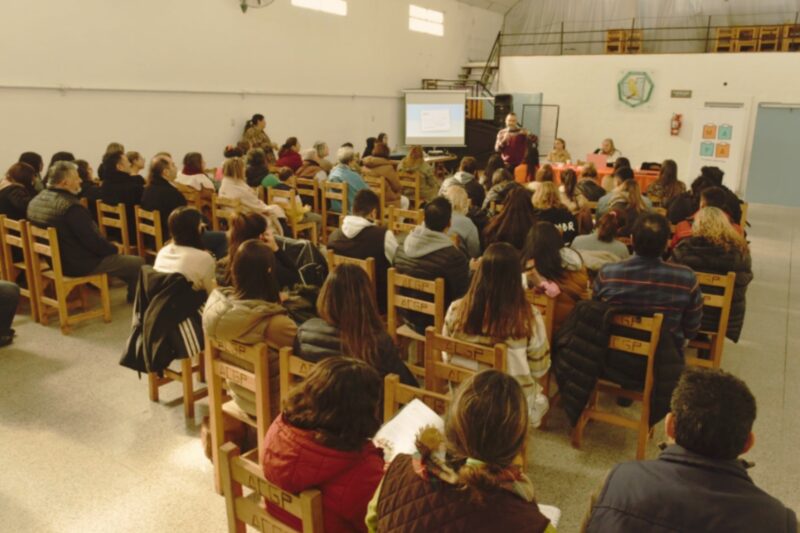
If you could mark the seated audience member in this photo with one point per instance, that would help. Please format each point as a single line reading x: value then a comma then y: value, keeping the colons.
x: 460, y: 224
x: 342, y: 173
x: 370, y: 144
x: 321, y: 440
x: 544, y: 175
x: 648, y: 283
x: 246, y: 226
x: 608, y: 182
x: 709, y: 197
x: 413, y: 163
x: 289, y: 154
x: 235, y: 187
x: 90, y: 188
x: 559, y: 153
x: 511, y: 142
x: 470, y: 478
x: 495, y: 310
x: 698, y: 483
x: 378, y: 165
x: 494, y: 163
x: 185, y: 254
x: 9, y: 301
x: 311, y: 167
x: 621, y: 176
x: 608, y: 149
x: 502, y: 184
x: 34, y: 160
x: 321, y: 147
x: 526, y: 172
x: 83, y: 250
x: 257, y: 172
x: 628, y: 197
x: 570, y: 193
x: 466, y: 178
x: 349, y: 323
x: 257, y: 138
x: 686, y: 204
x: 602, y: 246
x: 361, y: 238
x: 667, y: 186
x: 716, y: 247
x: 554, y: 269
x: 512, y: 223
x: 110, y: 149
x: 192, y: 175
x: 382, y: 138
x: 733, y: 204
x: 548, y: 207
x: 16, y: 191
x: 119, y: 187
x: 250, y: 312
x: 137, y: 164
x: 428, y: 253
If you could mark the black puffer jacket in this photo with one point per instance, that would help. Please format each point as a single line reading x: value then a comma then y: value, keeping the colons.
x: 581, y: 356
x: 316, y: 340
x: 702, y: 256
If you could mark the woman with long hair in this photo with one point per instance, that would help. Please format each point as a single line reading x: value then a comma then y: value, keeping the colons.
x: 460, y: 223
x: 526, y: 172
x: 493, y: 164
x: 512, y: 223
x: 235, y: 187
x: 548, y: 207
x: 377, y: 165
x: 251, y: 312
x: 349, y: 324
x: 185, y: 253
x: 601, y: 246
x: 570, y: 194
x: 473, y: 470
x: 321, y: 440
x: 543, y: 175
x: 493, y: 310
x: 628, y: 197
x: 555, y: 269
x: 667, y: 186
x: 193, y: 174
x: 559, y: 153
x: 414, y: 163
x: 17, y: 190
x: 289, y: 155
x: 257, y: 172
x: 716, y: 247
x: 502, y: 184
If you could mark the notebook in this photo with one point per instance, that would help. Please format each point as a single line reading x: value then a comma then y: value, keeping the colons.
x: 399, y: 434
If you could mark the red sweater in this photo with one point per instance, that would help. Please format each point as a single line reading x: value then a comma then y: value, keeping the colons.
x: 512, y: 145
x: 294, y: 461
x: 291, y: 159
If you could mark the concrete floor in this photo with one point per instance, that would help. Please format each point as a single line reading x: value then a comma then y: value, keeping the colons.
x: 85, y: 450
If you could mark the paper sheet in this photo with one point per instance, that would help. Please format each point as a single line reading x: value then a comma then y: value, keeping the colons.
x: 400, y: 433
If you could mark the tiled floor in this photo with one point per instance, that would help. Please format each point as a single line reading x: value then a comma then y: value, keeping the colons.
x: 85, y: 450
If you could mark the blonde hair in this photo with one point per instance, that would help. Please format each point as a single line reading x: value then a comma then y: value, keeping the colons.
x: 610, y: 142
x: 234, y: 168
x: 712, y: 224
x: 546, y: 196
x: 414, y: 158
x: 458, y: 198
x: 631, y: 195
x: 545, y: 174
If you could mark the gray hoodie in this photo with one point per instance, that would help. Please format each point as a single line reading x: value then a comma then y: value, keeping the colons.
x: 422, y: 241
x: 459, y: 178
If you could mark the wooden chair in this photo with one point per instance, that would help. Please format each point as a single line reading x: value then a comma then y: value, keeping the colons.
x: 397, y: 220
x: 289, y: 198
x: 192, y: 195
x: 395, y: 283
x: 547, y: 307
x: 14, y: 236
x: 184, y: 376
x: 222, y: 210
x: 114, y: 216
x: 238, y: 471
x: 148, y: 223
x: 635, y: 347
x: 333, y: 192
x: 293, y: 371
x: 378, y: 185
x: 717, y: 294
x: 44, y: 250
x: 368, y: 265
x: 439, y: 374
x: 396, y: 395
x: 743, y: 218
x: 309, y: 188
x: 248, y: 367
x: 411, y: 181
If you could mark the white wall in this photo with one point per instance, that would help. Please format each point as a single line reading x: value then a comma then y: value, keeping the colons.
x: 183, y: 75
x: 586, y: 89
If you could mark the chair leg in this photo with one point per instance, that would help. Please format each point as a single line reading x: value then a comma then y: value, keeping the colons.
x: 577, y: 431
x: 105, y: 299
x: 188, y: 388
x: 641, y: 444
x: 63, y: 309
x: 152, y: 386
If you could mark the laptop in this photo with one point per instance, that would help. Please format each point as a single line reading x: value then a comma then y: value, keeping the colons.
x: 598, y: 160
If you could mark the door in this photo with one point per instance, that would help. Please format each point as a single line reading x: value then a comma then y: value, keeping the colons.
x: 774, y: 176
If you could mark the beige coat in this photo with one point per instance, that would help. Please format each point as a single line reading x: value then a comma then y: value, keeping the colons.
x: 384, y: 168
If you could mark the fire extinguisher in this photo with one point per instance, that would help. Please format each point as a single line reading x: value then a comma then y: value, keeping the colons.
x: 675, y: 124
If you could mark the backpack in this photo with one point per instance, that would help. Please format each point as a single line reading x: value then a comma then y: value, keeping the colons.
x: 590, y: 189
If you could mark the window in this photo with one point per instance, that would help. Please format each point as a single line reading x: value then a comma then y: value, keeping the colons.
x: 425, y: 20
x: 334, y: 7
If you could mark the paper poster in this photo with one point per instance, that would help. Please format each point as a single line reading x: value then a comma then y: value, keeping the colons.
x: 710, y: 131
x: 723, y: 151
x: 719, y: 141
x: 725, y: 132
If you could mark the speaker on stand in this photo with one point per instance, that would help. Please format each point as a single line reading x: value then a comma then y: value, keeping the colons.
x: 503, y: 105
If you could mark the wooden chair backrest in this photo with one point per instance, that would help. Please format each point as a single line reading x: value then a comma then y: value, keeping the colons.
x: 333, y: 191
x: 223, y: 209
x: 238, y: 471
x: 284, y: 198
x: 438, y: 373
x: 308, y: 187
x: 743, y: 218
x: 546, y: 306
x: 412, y: 181
x: 368, y: 264
x: 592, y: 206
x: 192, y: 195
x: 148, y: 223
x: 293, y: 371
x: 378, y: 185
x: 397, y: 219
x: 396, y: 395
x: 396, y: 281
x: 44, y: 246
x: 114, y: 216
x: 726, y: 284
x: 14, y: 234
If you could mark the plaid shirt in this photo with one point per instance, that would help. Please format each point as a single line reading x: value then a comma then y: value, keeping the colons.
x: 656, y: 287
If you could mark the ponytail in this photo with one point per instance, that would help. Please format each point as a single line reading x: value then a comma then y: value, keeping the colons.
x: 609, y: 225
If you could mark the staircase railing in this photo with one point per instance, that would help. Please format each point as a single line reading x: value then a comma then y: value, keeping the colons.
x: 492, y: 63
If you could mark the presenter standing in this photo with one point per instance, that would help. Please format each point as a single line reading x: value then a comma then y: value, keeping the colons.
x: 512, y: 142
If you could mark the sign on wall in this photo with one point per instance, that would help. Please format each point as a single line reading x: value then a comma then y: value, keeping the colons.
x: 719, y: 139
x: 635, y: 88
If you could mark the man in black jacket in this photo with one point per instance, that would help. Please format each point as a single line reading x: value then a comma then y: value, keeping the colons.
x: 119, y: 187
x: 83, y: 250
x: 428, y: 253
x: 697, y: 483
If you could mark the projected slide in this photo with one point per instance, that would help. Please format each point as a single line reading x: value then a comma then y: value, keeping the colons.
x: 435, y: 120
